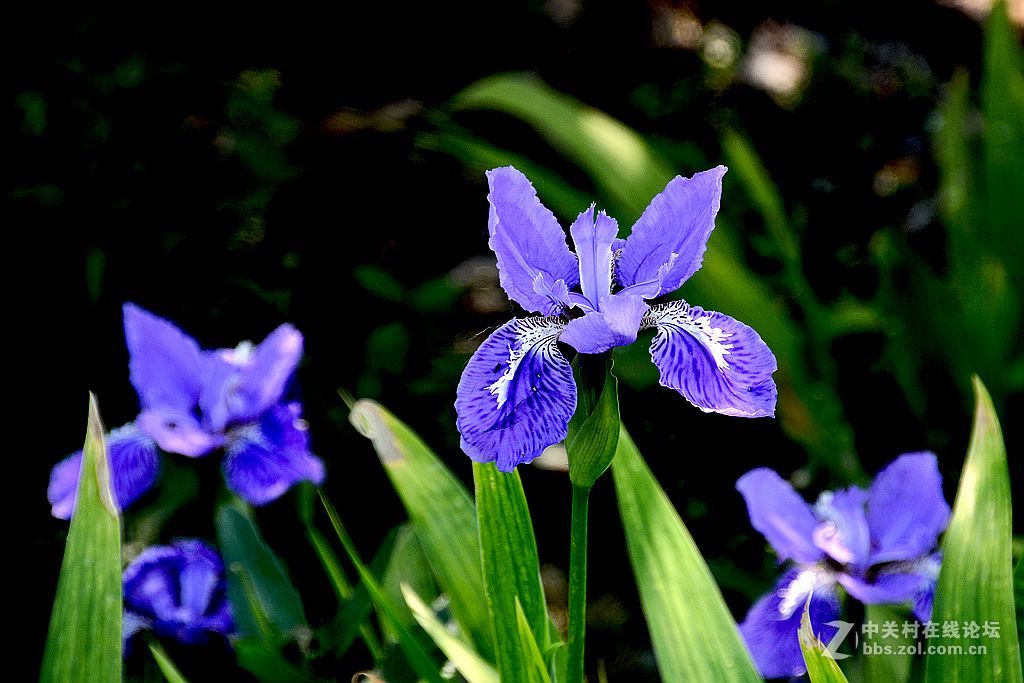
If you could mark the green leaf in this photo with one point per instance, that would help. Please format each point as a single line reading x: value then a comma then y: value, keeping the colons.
x: 265, y: 603
x: 510, y: 564
x: 415, y: 650
x: 84, y: 640
x: 440, y: 510
x: 888, y: 668
x: 976, y: 580
x: 821, y: 668
x: 406, y: 566
x: 594, y: 427
x: 693, y: 633
x: 266, y: 663
x: 529, y: 655
x: 165, y: 664
x: 474, y: 668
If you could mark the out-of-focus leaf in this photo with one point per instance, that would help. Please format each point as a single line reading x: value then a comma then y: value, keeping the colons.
x: 1018, y: 591
x: 629, y: 173
x: 265, y: 603
x: 165, y: 664
x: 407, y: 566
x: 450, y: 539
x: 821, y: 667
x: 414, y: 648
x: 888, y: 668
x: 473, y: 667
x: 480, y: 156
x: 266, y: 663
x: 379, y: 282
x: 84, y: 640
x: 511, y: 569
x: 1002, y: 102
x: 693, y: 633
x: 594, y: 427
x: 976, y: 580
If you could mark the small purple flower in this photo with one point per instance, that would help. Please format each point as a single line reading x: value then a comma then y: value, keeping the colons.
x: 195, y: 402
x: 880, y: 545
x: 177, y: 591
x: 517, y: 393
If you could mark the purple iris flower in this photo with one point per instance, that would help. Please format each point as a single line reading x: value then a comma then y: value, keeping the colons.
x: 517, y: 392
x: 880, y: 545
x: 195, y: 402
x: 177, y: 591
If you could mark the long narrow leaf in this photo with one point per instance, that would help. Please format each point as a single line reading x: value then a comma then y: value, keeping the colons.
x: 440, y: 510
x: 511, y: 568
x: 166, y: 664
x: 976, y: 579
x: 693, y: 633
x: 461, y: 654
x: 84, y: 640
x: 412, y: 646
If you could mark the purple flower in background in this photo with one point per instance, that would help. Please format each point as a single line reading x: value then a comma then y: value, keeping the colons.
x: 879, y: 545
x: 517, y: 393
x: 195, y: 402
x: 177, y: 591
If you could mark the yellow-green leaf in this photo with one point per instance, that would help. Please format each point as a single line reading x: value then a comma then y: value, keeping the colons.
x: 821, y: 667
x: 470, y: 664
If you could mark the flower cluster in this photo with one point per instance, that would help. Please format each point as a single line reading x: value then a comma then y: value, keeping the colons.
x: 177, y: 591
x: 195, y: 402
x: 880, y: 545
x: 517, y: 393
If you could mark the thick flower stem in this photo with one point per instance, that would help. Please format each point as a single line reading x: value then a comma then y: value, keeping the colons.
x: 578, y: 582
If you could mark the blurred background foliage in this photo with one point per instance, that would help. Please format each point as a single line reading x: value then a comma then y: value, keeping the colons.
x: 232, y: 171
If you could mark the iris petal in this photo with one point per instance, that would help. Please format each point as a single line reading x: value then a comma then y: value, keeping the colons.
x: 780, y: 514
x: 528, y: 241
x: 771, y: 626
x: 673, y: 231
x: 516, y: 394
x: 717, y: 363
x: 615, y: 324
x: 906, y: 510
x: 267, y: 458
x: 593, y: 238
x: 165, y: 364
x: 843, y: 533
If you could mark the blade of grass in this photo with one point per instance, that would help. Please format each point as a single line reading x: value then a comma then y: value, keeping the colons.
x: 166, y: 665
x: 84, y: 639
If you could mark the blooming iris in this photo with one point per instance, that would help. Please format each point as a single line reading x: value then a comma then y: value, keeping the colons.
x: 177, y: 591
x: 517, y: 392
x: 879, y: 545
x: 195, y: 402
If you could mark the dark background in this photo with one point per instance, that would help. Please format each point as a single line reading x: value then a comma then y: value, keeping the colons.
x: 235, y: 170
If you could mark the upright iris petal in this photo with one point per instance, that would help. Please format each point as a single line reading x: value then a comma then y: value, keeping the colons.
x: 178, y: 591
x: 530, y: 245
x: 904, y: 527
x: 667, y: 243
x: 516, y: 394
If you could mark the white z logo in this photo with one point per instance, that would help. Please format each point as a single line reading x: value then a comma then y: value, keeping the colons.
x: 833, y: 645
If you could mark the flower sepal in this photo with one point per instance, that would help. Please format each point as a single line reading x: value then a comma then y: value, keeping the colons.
x: 594, y: 428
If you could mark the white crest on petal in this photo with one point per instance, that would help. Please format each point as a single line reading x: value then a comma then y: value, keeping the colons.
x: 714, y: 338
x: 531, y: 331
x: 795, y: 594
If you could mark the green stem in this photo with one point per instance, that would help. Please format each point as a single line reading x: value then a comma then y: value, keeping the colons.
x: 578, y: 582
